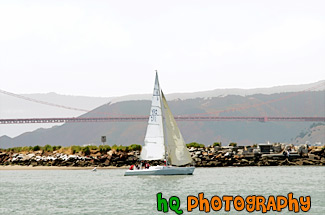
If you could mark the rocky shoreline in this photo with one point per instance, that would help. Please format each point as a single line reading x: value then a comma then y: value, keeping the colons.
x: 202, y: 157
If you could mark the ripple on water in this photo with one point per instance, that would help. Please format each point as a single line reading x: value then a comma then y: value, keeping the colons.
x: 109, y: 192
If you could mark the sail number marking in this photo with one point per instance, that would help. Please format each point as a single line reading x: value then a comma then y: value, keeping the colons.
x: 156, y: 93
x: 154, y: 113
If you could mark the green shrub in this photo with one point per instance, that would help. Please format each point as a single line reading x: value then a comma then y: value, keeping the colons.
x: 26, y: 148
x: 233, y: 144
x: 36, y: 148
x: 135, y: 147
x: 76, y: 149
x: 15, y: 149
x: 195, y: 145
x: 86, y: 150
x: 92, y: 147
x: 120, y: 148
x: 48, y: 148
x: 104, y: 148
x: 56, y: 148
x: 216, y: 144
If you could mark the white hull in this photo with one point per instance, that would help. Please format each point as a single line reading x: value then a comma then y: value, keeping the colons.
x: 161, y: 170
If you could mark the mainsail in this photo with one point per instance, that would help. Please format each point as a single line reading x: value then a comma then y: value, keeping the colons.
x: 163, y: 138
x: 176, y: 147
x: 154, y: 148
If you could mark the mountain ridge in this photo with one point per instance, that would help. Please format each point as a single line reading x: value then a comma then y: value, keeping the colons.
x: 309, y: 103
x: 13, y: 107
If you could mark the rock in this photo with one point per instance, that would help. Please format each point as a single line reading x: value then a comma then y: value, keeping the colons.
x: 307, y: 162
x: 317, y: 151
x: 107, y: 163
x: 203, y: 157
x: 313, y: 157
x: 244, y: 160
x: 218, y: 156
x: 131, y: 153
x: 110, y: 153
x: 197, y: 159
x: 192, y: 149
x: 34, y: 163
x: 252, y: 163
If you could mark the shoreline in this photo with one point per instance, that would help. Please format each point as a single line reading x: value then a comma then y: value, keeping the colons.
x: 201, y: 157
x: 19, y: 167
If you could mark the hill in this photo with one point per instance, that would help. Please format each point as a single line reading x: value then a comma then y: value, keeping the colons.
x: 126, y: 133
x: 315, y: 135
x: 15, y: 107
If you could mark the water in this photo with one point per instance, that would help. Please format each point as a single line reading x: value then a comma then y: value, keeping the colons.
x: 109, y: 192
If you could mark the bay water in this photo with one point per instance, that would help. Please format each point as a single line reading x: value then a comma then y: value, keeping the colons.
x: 109, y: 192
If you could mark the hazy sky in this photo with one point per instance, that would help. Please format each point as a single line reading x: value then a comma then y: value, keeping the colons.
x: 111, y: 48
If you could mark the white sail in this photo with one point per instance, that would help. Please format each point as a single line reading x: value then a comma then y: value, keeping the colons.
x: 178, y: 153
x: 154, y: 148
x: 163, y: 138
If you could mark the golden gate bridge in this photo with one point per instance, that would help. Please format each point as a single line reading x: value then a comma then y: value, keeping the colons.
x: 145, y: 118
x: 211, y: 116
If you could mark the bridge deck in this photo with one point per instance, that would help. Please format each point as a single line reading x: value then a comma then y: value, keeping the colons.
x: 145, y: 118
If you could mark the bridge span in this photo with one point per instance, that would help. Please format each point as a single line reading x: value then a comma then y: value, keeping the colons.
x: 145, y: 118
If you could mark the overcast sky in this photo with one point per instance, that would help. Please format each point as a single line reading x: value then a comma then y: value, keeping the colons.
x: 111, y: 48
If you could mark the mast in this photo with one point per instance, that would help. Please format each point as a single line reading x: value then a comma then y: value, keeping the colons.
x: 163, y: 122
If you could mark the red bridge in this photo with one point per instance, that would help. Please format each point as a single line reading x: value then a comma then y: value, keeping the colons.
x: 145, y: 118
x: 195, y: 117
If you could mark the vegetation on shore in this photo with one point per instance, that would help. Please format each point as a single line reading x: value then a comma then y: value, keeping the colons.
x: 195, y: 145
x: 85, y: 150
x: 209, y: 156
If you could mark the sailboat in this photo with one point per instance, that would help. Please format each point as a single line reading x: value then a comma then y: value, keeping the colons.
x: 163, y: 141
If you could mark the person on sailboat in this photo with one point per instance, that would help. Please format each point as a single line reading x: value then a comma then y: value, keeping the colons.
x: 142, y: 164
x: 146, y: 166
